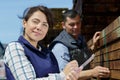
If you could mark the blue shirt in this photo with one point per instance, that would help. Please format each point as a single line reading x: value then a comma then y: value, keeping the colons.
x: 61, y: 53
x: 63, y: 45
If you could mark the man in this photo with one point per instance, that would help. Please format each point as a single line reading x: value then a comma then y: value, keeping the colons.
x: 70, y: 42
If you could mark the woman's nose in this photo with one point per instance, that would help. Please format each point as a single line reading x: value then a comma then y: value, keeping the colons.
x: 39, y: 27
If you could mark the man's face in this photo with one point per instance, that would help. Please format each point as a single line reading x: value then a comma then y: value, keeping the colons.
x: 73, y: 26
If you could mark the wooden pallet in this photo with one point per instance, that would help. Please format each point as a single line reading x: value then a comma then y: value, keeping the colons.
x: 108, y: 49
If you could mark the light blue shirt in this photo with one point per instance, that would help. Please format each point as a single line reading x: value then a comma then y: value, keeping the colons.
x: 61, y: 53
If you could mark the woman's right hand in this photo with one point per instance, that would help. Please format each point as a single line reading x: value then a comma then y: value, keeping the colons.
x: 72, y: 71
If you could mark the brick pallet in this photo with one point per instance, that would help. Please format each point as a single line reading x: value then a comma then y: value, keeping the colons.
x: 108, y: 49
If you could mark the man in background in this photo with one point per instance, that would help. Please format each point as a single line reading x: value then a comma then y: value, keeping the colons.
x: 70, y: 44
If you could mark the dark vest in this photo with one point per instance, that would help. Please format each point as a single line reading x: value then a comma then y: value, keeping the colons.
x: 44, y: 62
x: 76, y: 47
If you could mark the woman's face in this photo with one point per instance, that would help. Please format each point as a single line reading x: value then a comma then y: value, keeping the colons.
x: 36, y: 27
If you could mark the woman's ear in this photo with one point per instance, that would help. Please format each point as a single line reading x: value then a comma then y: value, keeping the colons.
x: 24, y: 23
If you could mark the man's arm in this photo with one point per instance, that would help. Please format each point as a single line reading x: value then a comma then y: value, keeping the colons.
x: 59, y: 50
x: 98, y: 72
x: 61, y: 53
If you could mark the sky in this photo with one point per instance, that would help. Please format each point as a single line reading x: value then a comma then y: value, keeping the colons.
x: 10, y: 24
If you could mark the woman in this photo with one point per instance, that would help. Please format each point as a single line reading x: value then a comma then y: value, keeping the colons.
x: 29, y: 60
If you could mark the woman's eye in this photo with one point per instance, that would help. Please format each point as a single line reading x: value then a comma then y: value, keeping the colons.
x: 46, y: 25
x: 36, y: 22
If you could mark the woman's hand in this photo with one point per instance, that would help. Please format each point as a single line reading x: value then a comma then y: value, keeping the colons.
x: 72, y: 71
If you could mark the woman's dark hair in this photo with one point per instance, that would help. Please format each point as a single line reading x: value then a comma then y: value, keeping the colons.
x: 29, y: 12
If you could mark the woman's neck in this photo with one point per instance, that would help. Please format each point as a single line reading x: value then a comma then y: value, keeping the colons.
x: 32, y: 42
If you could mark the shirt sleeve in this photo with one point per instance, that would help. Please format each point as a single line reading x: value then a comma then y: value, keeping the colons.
x: 21, y: 67
x: 62, y: 55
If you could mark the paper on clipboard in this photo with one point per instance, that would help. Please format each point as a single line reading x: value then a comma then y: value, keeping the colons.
x: 87, y: 61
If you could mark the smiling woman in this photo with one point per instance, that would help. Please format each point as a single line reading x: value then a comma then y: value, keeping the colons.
x: 27, y: 59
x: 9, y: 22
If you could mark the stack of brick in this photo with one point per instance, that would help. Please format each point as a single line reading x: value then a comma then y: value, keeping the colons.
x: 108, y: 49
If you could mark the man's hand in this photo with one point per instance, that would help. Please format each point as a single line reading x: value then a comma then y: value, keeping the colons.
x: 95, y: 39
x: 100, y: 72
